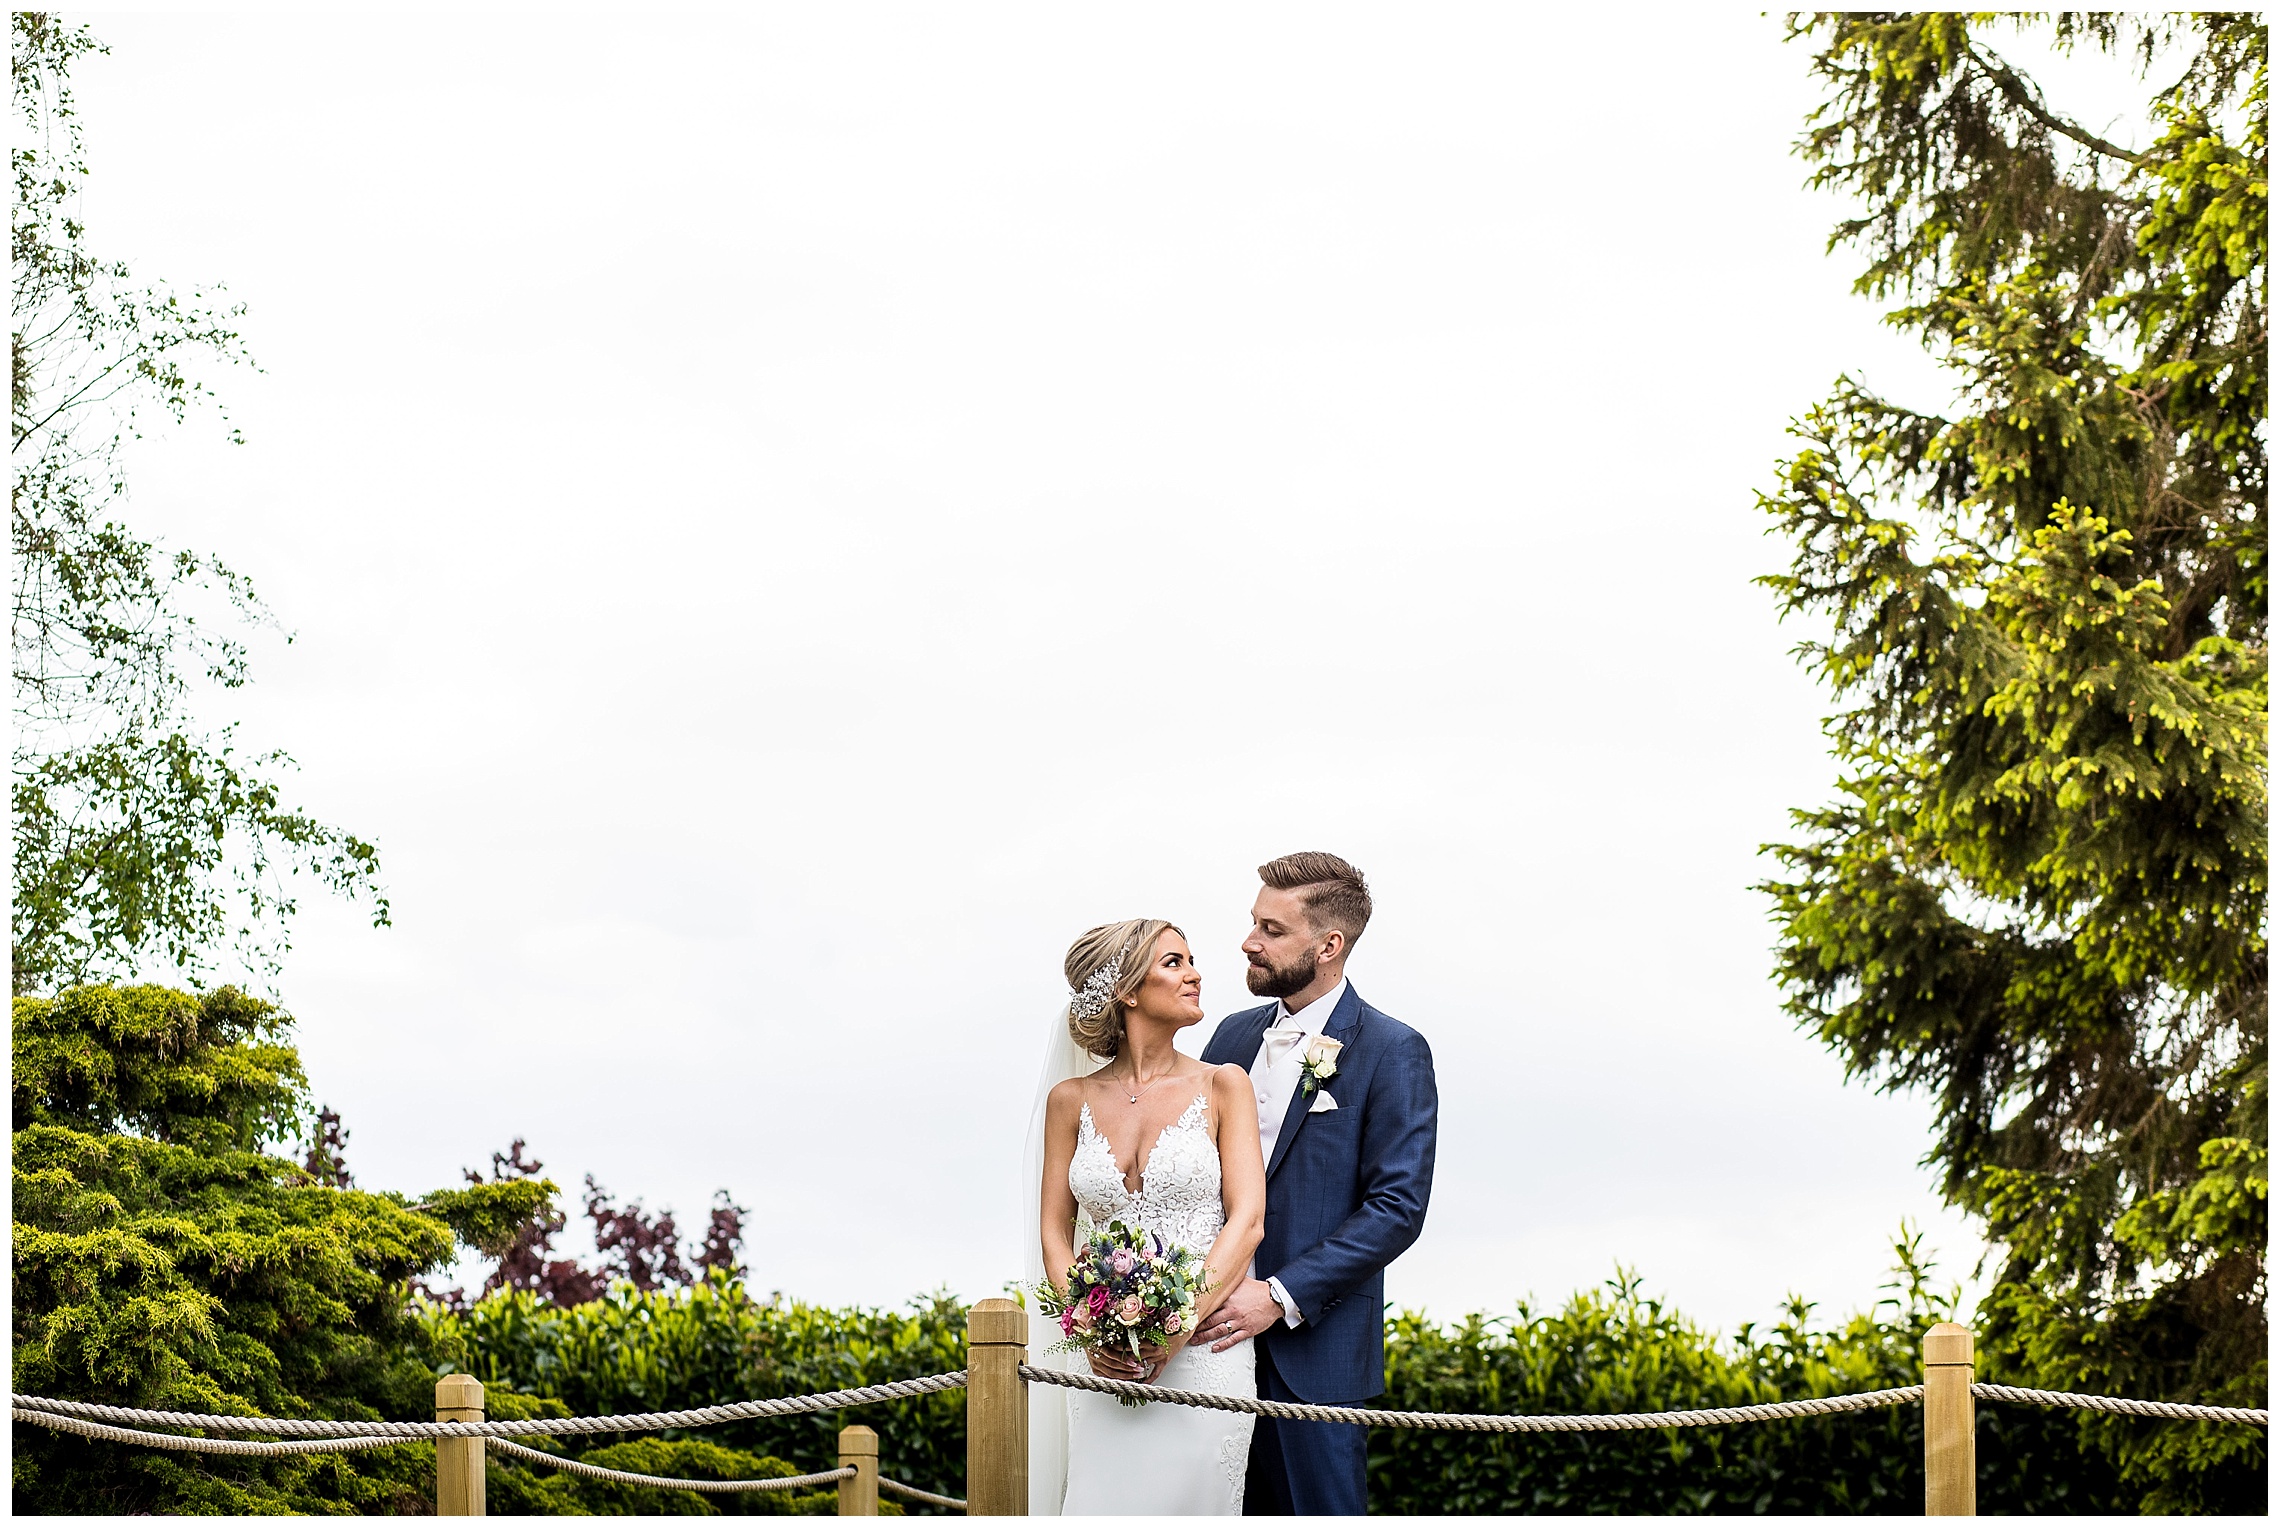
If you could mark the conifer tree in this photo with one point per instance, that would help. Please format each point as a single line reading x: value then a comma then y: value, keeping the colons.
x: 161, y: 1255
x: 2039, y: 894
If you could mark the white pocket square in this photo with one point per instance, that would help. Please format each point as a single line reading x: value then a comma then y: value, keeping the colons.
x: 1323, y: 1104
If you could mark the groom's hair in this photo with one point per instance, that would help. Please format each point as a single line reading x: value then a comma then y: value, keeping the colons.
x: 1333, y: 892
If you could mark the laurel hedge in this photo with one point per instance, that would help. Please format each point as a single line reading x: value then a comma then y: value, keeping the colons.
x: 1616, y: 1350
x: 1612, y: 1349
x: 674, y: 1349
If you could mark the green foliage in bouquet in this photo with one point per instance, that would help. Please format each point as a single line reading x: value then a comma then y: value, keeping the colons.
x: 702, y: 1346
x: 1126, y: 1289
x: 2039, y: 893
x: 162, y: 1258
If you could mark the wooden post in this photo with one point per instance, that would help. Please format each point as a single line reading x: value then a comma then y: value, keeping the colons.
x: 859, y: 1493
x: 1951, y: 1471
x: 997, y: 1410
x: 459, y: 1461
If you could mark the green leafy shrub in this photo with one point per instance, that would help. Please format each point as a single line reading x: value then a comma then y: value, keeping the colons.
x: 1616, y: 1351
x: 711, y: 1344
x: 517, y: 1490
x: 163, y: 1259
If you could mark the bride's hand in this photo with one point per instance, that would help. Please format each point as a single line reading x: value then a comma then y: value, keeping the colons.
x: 1159, y: 1358
x: 1119, y: 1365
x: 1140, y: 1369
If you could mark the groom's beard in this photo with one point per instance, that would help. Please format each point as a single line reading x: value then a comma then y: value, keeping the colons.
x: 1282, y: 981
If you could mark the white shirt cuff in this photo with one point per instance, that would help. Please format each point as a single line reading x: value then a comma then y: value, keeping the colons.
x: 1291, y: 1316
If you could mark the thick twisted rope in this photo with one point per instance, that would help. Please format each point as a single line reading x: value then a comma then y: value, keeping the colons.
x: 1442, y: 1421
x: 915, y: 1494
x: 181, y: 1444
x: 1449, y: 1421
x: 718, y: 1487
x: 2170, y: 1409
x: 650, y: 1421
x: 778, y: 1483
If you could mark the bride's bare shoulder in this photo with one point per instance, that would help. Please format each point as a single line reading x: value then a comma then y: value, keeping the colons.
x: 1231, y: 1090
x: 1067, y: 1097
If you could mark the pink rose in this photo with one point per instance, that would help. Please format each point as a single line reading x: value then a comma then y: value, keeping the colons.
x: 1097, y: 1299
x: 1132, y: 1310
x: 1080, y: 1318
x: 1122, y: 1261
x: 1172, y: 1324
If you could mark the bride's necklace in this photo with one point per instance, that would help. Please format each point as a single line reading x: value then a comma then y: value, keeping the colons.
x: 1130, y: 1096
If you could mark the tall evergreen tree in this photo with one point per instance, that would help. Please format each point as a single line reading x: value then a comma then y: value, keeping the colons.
x: 2039, y: 894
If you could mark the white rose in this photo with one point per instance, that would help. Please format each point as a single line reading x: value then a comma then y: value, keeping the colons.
x: 1322, y: 1056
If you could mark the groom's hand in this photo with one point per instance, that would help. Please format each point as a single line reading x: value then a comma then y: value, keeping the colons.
x: 1247, y: 1311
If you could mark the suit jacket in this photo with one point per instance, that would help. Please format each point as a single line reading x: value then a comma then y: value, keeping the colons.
x: 1346, y: 1194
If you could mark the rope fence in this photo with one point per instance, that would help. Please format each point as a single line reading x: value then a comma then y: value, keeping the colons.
x: 915, y: 1494
x: 514, y: 1450
x: 85, y: 1429
x: 719, y: 1487
x: 1627, y: 1421
x: 2171, y: 1410
x: 996, y: 1379
x: 32, y: 1409
x: 334, y: 1437
x: 647, y: 1421
x: 1459, y: 1421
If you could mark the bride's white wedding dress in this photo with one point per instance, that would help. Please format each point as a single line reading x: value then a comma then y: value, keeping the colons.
x: 1160, y: 1459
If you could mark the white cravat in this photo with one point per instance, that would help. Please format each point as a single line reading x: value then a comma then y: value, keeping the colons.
x: 1276, y: 1043
x: 1275, y: 1073
x: 1275, y: 1070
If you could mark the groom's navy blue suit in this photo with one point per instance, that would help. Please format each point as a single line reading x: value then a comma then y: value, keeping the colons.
x: 1346, y: 1195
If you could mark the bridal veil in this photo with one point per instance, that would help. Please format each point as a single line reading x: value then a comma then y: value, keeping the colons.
x: 1048, y: 1404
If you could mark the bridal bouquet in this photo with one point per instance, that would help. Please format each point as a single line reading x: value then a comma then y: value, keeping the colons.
x: 1126, y: 1290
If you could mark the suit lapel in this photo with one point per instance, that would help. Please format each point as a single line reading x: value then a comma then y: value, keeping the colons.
x: 1237, y: 1037
x: 1344, y: 1020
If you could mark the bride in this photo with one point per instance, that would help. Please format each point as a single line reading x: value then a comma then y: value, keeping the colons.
x: 1162, y: 1142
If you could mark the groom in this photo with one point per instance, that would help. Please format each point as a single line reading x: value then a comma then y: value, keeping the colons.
x: 1347, y: 1114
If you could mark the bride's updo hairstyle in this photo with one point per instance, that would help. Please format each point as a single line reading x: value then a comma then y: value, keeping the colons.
x: 1096, y: 1002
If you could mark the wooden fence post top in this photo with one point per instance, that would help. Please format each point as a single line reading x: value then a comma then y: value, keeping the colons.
x: 997, y: 1411
x: 1947, y: 1343
x: 459, y: 1487
x: 857, y: 1440
x: 458, y: 1392
x: 1951, y: 1449
x: 997, y: 1320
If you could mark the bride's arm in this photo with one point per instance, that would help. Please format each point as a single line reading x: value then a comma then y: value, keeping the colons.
x: 1242, y: 1187
x: 1057, y: 1207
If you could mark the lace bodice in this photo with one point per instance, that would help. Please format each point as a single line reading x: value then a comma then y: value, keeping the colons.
x: 1179, y: 1196
x: 1170, y: 1461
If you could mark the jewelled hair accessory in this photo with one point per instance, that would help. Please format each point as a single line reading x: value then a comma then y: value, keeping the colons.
x: 1093, y: 996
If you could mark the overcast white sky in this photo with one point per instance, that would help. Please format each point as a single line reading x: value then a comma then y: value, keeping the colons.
x: 790, y: 518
